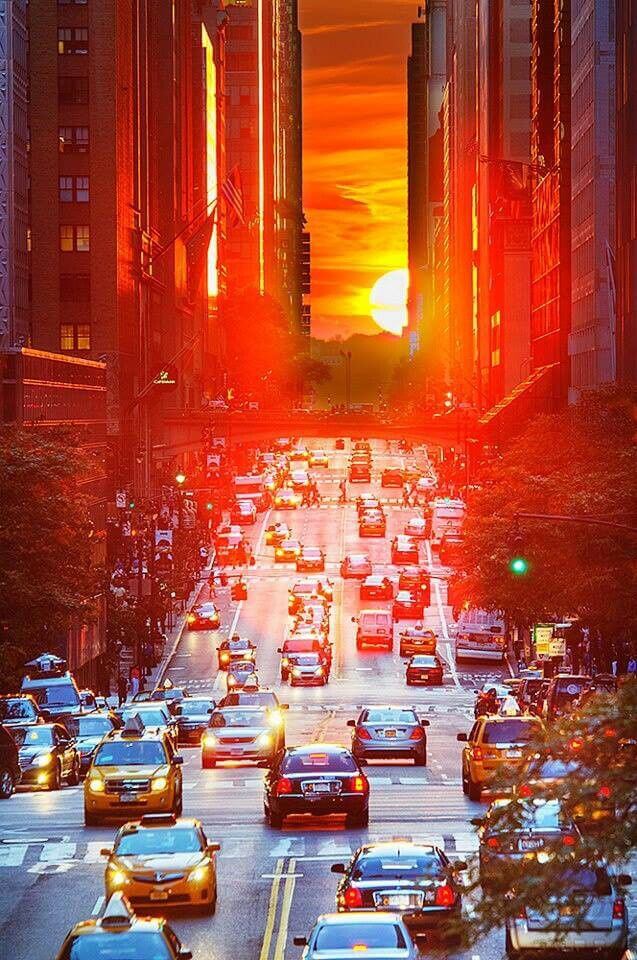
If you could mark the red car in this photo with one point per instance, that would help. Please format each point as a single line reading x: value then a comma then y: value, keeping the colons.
x: 416, y: 580
x: 377, y: 588
x: 450, y: 549
x: 404, y: 550
x: 392, y: 477
x: 408, y: 606
x: 424, y: 668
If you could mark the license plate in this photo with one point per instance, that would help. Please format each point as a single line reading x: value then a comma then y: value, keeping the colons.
x: 390, y: 733
x: 424, y: 676
x: 159, y: 895
x: 514, y: 754
x: 319, y: 788
x: 399, y: 900
x: 127, y: 798
x: 535, y: 843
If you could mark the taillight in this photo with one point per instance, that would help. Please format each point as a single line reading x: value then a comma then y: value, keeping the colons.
x: 604, y: 792
x: 353, y: 898
x: 525, y: 790
x: 363, y: 734
x: 445, y: 897
x: 619, y: 910
x: 521, y: 914
x: 284, y: 785
x: 576, y: 743
x: 493, y: 843
x: 416, y: 734
x: 477, y: 753
x: 569, y: 840
x: 358, y: 784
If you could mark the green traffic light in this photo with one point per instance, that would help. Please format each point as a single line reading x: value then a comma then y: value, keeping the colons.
x: 131, y: 505
x: 519, y: 566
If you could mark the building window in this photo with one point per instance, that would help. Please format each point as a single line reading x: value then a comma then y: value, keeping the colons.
x: 75, y: 336
x: 73, y: 89
x: 68, y: 3
x: 74, y: 238
x: 73, y: 139
x: 74, y: 188
x: 75, y: 287
x: 72, y: 40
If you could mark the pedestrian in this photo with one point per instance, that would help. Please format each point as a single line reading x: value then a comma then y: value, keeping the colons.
x: 343, y: 491
x: 614, y: 666
x: 134, y: 682
x: 631, y: 666
x: 406, y: 495
x: 121, y: 688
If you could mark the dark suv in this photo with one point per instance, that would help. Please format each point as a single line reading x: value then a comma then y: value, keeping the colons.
x: 10, y: 772
x: 53, y: 688
x: 19, y: 708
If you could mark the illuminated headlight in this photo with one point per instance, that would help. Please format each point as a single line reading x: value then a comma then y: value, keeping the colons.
x: 96, y: 785
x: 279, y: 552
x: 199, y: 874
x: 296, y: 673
x: 43, y: 760
x: 231, y: 681
x: 158, y: 784
x: 209, y: 740
x: 319, y: 672
x: 225, y: 657
x: 544, y: 856
x: 116, y: 877
x: 265, y: 740
x: 285, y: 662
x: 275, y: 719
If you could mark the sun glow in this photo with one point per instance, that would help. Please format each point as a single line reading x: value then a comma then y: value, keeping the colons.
x: 388, y: 301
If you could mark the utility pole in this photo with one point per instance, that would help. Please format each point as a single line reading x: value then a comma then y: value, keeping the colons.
x: 347, y: 357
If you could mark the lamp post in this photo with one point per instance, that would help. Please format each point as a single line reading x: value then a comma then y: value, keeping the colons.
x: 347, y: 357
x: 180, y: 479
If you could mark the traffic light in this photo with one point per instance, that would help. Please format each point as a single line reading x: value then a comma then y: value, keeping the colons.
x: 448, y: 399
x: 131, y: 504
x: 518, y: 564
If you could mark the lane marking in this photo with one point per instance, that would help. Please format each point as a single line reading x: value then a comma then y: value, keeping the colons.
x: 271, y: 914
x: 443, y: 622
x: 286, y: 904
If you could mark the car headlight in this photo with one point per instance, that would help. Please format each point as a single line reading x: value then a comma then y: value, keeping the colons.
x: 264, y: 740
x: 43, y: 759
x: 209, y: 740
x: 296, y: 673
x: 319, y: 672
x: 225, y: 657
x: 116, y: 877
x: 200, y: 873
x: 158, y: 784
x: 96, y: 785
x: 231, y: 681
x: 279, y: 552
x: 285, y: 662
x: 275, y: 718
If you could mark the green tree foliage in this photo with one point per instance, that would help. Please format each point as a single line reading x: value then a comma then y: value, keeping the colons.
x: 597, y: 741
x: 47, y: 575
x: 582, y: 461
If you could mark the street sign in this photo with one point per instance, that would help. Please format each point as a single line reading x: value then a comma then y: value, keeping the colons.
x: 121, y: 499
x: 163, y: 538
x: 542, y: 637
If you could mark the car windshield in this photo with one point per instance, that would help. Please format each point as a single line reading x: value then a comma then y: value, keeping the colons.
x: 159, y: 840
x: 33, y: 736
x: 91, y: 726
x: 150, y: 718
x: 312, y: 552
x: 357, y: 561
x: 207, y: 609
x: 237, y: 718
x: 238, y: 644
x: 307, y: 659
x: 538, y: 815
x: 570, y: 687
x: 141, y: 945
x: 424, y: 661
x: 130, y: 753
x: 359, y: 936
x: 60, y: 695
x: 259, y: 698
x: 510, y: 731
x: 389, y: 716
x: 319, y: 762
x: 193, y: 708
x: 16, y: 710
x: 400, y: 866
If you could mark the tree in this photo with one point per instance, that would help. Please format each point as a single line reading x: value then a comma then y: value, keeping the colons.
x: 582, y: 462
x: 48, y: 578
x: 312, y: 371
x: 598, y: 742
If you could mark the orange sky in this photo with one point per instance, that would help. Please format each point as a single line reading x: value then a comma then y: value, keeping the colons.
x: 355, y: 163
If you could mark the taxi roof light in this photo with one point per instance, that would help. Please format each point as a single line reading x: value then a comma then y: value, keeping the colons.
x: 134, y: 726
x: 117, y: 911
x: 158, y: 819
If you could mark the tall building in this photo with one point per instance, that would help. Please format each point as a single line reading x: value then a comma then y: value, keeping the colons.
x: 551, y: 196
x: 626, y: 187
x: 264, y: 141
x: 425, y: 82
x: 306, y: 259
x: 118, y: 188
x: 14, y: 264
x: 502, y: 211
x: 591, y: 344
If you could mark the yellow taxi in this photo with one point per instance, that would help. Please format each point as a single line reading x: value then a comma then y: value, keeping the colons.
x: 493, y: 744
x: 118, y: 932
x: 163, y: 859
x: 133, y: 771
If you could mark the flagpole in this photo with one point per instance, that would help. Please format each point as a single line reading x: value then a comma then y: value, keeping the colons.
x: 162, y: 251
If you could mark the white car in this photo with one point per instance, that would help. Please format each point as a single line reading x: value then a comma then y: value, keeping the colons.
x: 342, y: 936
x: 425, y: 484
x: 416, y: 528
x: 299, y: 479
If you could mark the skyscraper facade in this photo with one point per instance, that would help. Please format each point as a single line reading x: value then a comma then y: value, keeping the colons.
x: 416, y: 181
x: 626, y: 184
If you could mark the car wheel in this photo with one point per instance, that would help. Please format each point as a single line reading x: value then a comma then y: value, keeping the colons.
x: 7, y: 784
x: 421, y: 758
x: 179, y: 805
x: 90, y: 820
x: 275, y: 820
x: 465, y: 782
x: 474, y: 790
x: 207, y: 763
x: 56, y: 779
x: 74, y: 775
x: 508, y: 947
x: 409, y: 682
x: 357, y: 820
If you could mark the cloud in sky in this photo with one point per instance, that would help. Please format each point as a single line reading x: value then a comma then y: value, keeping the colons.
x: 355, y: 161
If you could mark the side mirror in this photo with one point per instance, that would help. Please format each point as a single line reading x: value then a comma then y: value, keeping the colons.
x: 624, y: 879
x: 46, y: 715
x: 178, y: 759
x: 299, y: 941
x: 353, y: 619
x: 351, y: 723
x: 177, y: 711
x: 106, y: 852
x: 184, y: 954
x: 210, y: 710
x: 477, y: 821
x: 213, y: 847
x: 252, y: 561
x: 284, y: 706
x: 424, y: 722
x: 338, y: 868
x: 461, y: 738
x: 279, y: 649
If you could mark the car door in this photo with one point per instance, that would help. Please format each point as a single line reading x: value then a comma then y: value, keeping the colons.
x: 63, y: 746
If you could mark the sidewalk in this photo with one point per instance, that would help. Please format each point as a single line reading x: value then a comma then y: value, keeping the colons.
x: 156, y: 676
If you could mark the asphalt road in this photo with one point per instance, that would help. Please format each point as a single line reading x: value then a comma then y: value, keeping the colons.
x: 272, y: 884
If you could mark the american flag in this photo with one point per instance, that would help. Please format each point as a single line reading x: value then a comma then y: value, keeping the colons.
x: 233, y: 195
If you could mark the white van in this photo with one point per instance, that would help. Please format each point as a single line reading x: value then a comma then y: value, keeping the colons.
x: 375, y: 627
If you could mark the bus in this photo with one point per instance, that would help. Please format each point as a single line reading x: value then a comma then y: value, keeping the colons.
x: 480, y: 636
x: 252, y: 487
x: 447, y: 516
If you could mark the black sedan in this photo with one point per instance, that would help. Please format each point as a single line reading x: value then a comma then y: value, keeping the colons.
x: 89, y: 730
x: 408, y: 606
x: 316, y: 779
x: 395, y: 732
x: 415, y: 880
x: 377, y: 588
x: 193, y: 717
x: 424, y: 668
x: 48, y: 755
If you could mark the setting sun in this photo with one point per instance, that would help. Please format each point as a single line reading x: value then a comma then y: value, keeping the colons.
x: 388, y: 301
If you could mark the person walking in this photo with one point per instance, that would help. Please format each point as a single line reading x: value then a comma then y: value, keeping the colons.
x: 121, y: 688
x: 631, y: 667
x: 406, y: 495
x: 343, y: 491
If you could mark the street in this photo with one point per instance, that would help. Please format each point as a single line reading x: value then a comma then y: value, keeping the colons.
x: 271, y: 885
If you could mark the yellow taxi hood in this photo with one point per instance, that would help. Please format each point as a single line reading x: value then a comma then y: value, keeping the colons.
x: 164, y: 863
x: 135, y: 771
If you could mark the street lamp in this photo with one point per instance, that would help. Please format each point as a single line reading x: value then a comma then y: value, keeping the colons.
x: 180, y: 478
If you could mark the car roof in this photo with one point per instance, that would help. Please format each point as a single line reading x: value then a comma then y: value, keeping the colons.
x: 306, y: 748
x: 396, y: 847
x: 361, y: 916
x: 154, y: 821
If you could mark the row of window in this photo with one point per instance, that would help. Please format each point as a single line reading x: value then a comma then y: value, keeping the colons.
x: 73, y: 40
x: 73, y: 139
x: 74, y: 189
x: 75, y: 336
x: 75, y: 237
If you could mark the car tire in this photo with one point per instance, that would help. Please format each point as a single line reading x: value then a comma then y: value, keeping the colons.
x: 508, y: 948
x: 56, y: 780
x: 7, y: 783
x: 207, y: 763
x: 474, y: 790
x: 465, y: 783
x: 275, y: 820
x: 357, y: 821
x: 421, y: 758
x: 91, y: 820
x: 74, y: 776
